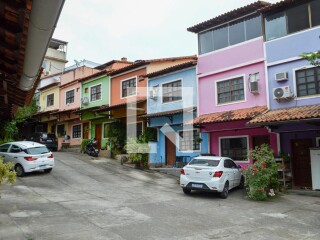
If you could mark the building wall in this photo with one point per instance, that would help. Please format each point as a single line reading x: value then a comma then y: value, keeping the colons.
x: 189, y: 94
x: 283, y: 56
x: 156, y: 66
x: 77, y: 73
x: 77, y: 95
x: 43, y: 99
x: 207, y: 90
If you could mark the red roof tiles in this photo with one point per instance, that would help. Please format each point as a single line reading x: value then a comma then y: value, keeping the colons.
x: 287, y: 114
x: 233, y: 115
x: 168, y: 113
x: 281, y: 5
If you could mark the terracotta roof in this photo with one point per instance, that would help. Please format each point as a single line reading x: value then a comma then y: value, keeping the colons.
x: 95, y: 75
x: 281, y: 5
x: 49, y: 86
x: 229, y: 16
x: 168, y: 113
x: 140, y: 63
x: 105, y: 65
x: 65, y: 111
x: 87, y: 109
x: 121, y: 105
x: 172, y: 69
x: 233, y: 115
x: 287, y: 115
x: 45, y: 112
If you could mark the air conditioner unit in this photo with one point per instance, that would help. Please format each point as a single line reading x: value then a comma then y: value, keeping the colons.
x: 282, y: 93
x: 84, y: 101
x: 281, y: 76
x: 153, y: 94
x: 254, y: 87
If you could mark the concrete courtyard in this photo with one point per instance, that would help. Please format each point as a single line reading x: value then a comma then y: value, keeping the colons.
x: 85, y: 198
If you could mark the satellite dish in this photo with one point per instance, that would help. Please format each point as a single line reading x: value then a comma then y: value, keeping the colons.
x: 278, y: 92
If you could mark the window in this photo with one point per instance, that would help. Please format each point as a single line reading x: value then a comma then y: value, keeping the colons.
x: 188, y: 140
x: 230, y: 34
x: 308, y: 82
x: 60, y: 130
x: 4, y: 147
x: 95, y: 93
x: 70, y: 97
x: 234, y: 148
x: 15, y: 149
x: 76, y: 131
x: 106, y: 129
x: 315, y: 9
x: 171, y: 91
x: 298, y: 18
x: 50, y: 100
x: 128, y: 87
x: 229, y: 164
x: 230, y: 90
x: 275, y: 26
x: 131, y: 129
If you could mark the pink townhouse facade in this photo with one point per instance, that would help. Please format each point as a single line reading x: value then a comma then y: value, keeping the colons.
x: 232, y: 87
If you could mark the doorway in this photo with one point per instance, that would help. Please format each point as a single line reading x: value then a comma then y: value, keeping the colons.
x: 86, y: 130
x: 98, y: 134
x: 301, y: 162
x: 170, y: 149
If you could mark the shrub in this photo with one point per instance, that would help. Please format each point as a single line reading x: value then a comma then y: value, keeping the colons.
x: 6, y: 173
x: 84, y: 144
x: 262, y: 175
x: 138, y: 151
x: 116, y: 137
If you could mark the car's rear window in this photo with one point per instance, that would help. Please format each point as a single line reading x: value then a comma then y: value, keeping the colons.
x: 36, y: 150
x: 204, y: 162
x: 51, y: 135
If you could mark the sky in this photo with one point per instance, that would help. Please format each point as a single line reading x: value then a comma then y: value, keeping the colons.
x: 105, y: 30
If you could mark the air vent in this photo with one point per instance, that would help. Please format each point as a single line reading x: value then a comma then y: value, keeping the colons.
x: 282, y: 93
x: 281, y: 76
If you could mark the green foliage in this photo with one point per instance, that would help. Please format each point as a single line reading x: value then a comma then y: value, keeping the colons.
x: 116, y: 137
x: 84, y: 144
x: 262, y: 175
x: 313, y: 58
x: 149, y: 135
x: 138, y: 150
x: 6, y: 173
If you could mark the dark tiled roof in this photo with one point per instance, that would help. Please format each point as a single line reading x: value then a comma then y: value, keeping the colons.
x: 141, y: 63
x: 121, y: 105
x: 233, y: 115
x: 168, y: 113
x: 287, y: 115
x: 172, y: 69
x: 229, y: 16
x: 281, y: 5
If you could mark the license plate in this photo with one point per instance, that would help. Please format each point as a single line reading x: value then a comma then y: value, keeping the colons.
x: 196, y: 185
x: 43, y: 165
x: 49, y: 140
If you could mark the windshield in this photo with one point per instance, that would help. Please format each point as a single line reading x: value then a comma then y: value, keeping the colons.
x: 204, y: 162
x: 36, y: 150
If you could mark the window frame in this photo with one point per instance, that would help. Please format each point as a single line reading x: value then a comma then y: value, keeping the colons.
x: 189, y: 150
x: 121, y: 90
x: 103, y: 132
x: 93, y: 86
x: 229, y: 79
x: 66, y: 98
x: 232, y: 137
x: 170, y: 82
x: 51, y: 94
x: 81, y: 131
x: 294, y: 72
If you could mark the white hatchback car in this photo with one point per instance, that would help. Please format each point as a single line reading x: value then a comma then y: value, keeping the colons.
x: 27, y: 156
x: 212, y: 174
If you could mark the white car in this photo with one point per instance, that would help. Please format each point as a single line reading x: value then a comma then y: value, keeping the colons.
x: 27, y: 156
x: 213, y: 174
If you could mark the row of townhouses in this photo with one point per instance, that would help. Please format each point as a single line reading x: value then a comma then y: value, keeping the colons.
x: 247, y: 86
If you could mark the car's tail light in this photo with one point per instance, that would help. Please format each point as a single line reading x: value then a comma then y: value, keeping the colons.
x: 182, y: 171
x: 30, y: 158
x: 51, y: 156
x: 218, y: 174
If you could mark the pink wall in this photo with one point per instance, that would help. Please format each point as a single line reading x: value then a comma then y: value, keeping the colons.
x: 77, y: 74
x: 231, y: 56
x: 77, y: 96
x: 242, y: 131
x: 207, y: 90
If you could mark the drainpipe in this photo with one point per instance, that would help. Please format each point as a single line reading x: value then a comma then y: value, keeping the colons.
x: 43, y: 20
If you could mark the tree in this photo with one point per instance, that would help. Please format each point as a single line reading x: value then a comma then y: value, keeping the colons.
x: 313, y: 58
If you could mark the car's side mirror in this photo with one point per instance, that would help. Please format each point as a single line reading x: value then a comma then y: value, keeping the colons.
x: 239, y: 167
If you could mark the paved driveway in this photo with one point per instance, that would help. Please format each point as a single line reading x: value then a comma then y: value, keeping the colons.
x: 100, y: 199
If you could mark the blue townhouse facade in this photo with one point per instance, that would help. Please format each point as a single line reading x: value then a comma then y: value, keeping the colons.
x: 290, y: 29
x: 171, y: 102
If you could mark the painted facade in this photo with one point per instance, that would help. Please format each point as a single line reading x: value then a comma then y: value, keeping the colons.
x: 160, y: 113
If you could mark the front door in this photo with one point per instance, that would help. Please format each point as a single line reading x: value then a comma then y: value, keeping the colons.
x: 170, y: 149
x: 301, y: 162
x: 98, y: 134
x: 86, y: 130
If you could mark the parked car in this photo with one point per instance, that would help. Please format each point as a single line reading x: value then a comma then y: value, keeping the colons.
x: 27, y: 156
x: 212, y: 174
x: 48, y: 139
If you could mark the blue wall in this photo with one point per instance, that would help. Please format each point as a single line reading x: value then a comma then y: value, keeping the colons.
x: 283, y: 56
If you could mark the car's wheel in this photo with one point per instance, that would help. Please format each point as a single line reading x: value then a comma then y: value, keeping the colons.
x: 241, y: 185
x: 186, y: 191
x: 47, y: 170
x: 19, y: 170
x: 225, y: 191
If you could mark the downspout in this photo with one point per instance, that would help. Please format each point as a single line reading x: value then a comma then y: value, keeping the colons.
x: 43, y: 20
